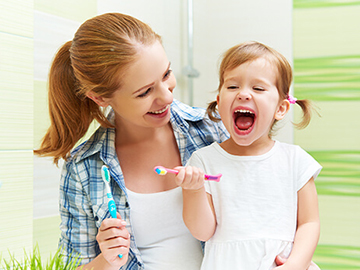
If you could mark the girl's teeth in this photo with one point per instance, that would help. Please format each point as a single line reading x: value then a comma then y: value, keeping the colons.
x: 243, y: 111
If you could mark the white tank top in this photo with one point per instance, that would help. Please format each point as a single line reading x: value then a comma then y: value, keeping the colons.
x: 160, y: 233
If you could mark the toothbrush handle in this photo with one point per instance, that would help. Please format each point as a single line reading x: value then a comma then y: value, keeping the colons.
x: 206, y: 176
x: 112, y: 208
x: 213, y: 177
x: 172, y: 171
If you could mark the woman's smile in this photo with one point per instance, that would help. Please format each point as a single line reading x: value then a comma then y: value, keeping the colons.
x: 160, y: 113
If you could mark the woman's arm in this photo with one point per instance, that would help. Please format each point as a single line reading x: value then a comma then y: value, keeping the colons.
x: 198, y: 211
x: 308, y: 229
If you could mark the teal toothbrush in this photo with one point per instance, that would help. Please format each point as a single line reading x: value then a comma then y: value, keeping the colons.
x: 106, y: 178
x: 111, y: 204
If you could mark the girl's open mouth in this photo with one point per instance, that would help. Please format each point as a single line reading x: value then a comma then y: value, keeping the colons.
x: 244, y: 120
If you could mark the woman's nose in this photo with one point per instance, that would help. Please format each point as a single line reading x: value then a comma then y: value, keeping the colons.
x: 165, y: 93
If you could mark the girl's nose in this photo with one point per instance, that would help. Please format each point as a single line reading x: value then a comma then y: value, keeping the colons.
x: 244, y: 95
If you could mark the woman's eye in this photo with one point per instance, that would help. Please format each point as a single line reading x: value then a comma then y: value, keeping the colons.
x: 167, y: 74
x: 145, y: 93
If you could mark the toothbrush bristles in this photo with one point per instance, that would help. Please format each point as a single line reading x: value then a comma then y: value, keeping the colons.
x: 160, y: 171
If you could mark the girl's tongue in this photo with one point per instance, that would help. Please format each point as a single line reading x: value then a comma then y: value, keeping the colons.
x: 244, y: 122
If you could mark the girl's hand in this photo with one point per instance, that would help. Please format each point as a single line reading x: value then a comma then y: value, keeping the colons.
x: 281, y: 261
x: 189, y: 177
x: 114, y: 240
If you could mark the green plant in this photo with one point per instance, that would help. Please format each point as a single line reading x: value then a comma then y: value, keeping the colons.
x: 33, y: 261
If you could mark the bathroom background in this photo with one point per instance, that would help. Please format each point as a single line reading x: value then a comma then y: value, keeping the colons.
x: 319, y: 37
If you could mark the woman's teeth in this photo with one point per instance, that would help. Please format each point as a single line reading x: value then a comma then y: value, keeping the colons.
x: 160, y: 111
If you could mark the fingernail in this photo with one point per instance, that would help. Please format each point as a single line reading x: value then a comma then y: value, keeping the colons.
x: 120, y: 256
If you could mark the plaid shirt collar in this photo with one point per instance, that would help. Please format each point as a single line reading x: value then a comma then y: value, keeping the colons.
x: 180, y: 115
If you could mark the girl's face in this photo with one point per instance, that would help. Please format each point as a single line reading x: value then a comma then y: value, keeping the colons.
x: 145, y: 95
x: 249, y: 103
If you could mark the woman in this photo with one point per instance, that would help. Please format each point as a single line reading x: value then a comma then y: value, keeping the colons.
x: 116, y: 60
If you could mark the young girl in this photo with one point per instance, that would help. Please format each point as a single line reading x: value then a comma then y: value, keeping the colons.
x: 265, y: 203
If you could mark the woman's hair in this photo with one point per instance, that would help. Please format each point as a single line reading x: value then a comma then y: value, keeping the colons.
x: 250, y: 51
x: 102, y: 49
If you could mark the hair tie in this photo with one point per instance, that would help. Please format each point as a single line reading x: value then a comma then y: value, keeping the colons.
x: 291, y: 99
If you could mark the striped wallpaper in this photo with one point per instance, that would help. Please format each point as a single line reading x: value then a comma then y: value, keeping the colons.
x: 327, y: 71
x: 16, y: 129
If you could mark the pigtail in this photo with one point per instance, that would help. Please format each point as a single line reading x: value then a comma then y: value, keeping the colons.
x: 307, y: 109
x: 70, y: 115
x: 212, y: 112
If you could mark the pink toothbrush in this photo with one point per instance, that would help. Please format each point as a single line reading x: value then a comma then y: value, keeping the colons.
x: 162, y: 171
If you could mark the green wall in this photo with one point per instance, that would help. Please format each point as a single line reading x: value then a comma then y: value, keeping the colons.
x: 327, y: 71
x: 16, y: 129
x: 62, y: 15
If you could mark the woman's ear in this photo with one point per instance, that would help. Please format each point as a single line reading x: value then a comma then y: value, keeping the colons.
x: 99, y: 100
x: 282, y: 110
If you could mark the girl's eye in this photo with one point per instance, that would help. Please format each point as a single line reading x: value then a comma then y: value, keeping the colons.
x: 167, y: 74
x: 258, y: 89
x: 232, y: 87
x: 145, y: 93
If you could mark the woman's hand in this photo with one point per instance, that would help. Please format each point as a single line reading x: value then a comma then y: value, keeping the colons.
x: 190, y: 178
x: 114, y: 241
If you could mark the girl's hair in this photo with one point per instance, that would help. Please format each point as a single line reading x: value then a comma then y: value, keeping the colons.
x: 102, y: 49
x: 250, y: 51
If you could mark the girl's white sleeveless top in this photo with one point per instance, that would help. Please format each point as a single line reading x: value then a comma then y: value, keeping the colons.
x: 160, y: 233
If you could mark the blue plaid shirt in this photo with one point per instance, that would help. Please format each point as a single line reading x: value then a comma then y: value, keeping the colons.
x: 83, y: 203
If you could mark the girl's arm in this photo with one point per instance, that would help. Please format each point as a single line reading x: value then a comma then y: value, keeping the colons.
x: 198, y: 210
x: 308, y: 229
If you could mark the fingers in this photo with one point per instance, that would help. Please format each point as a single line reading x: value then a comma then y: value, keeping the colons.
x: 119, y: 241
x: 111, y: 233
x: 190, y: 177
x: 114, y: 239
x: 112, y: 223
x: 279, y: 260
x: 313, y: 266
x: 111, y: 228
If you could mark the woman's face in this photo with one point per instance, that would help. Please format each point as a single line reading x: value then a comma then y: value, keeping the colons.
x: 145, y: 95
